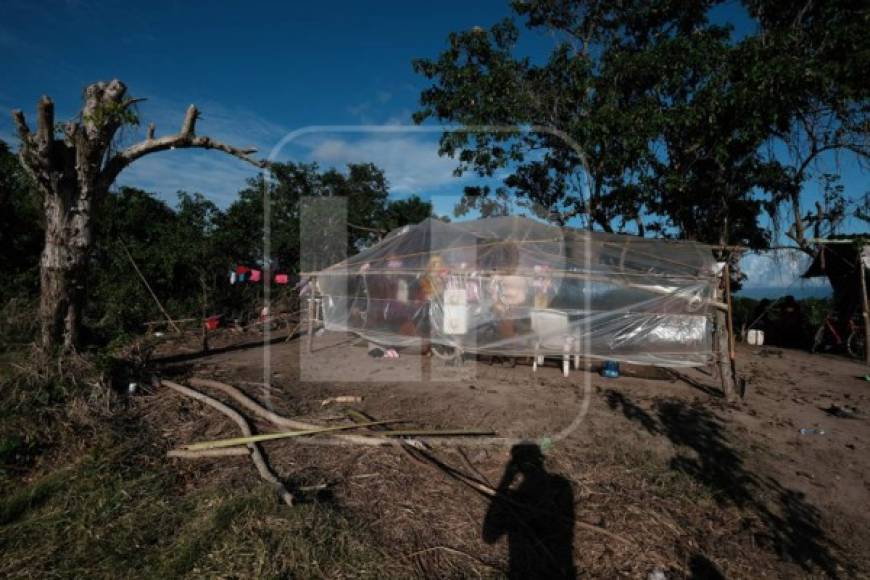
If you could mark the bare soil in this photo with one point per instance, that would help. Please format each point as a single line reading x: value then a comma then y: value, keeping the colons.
x: 650, y: 471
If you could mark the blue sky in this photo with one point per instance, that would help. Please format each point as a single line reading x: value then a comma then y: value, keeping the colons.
x: 257, y: 71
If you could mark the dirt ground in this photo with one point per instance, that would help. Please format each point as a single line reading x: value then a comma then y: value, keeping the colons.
x: 616, y: 478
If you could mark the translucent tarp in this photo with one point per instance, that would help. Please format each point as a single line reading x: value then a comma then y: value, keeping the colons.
x: 517, y: 287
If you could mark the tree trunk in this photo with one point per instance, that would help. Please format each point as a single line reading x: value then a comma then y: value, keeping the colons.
x: 64, y: 269
x: 74, y: 173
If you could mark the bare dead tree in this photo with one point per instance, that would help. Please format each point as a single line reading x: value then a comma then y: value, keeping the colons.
x: 74, y: 166
x: 813, y: 134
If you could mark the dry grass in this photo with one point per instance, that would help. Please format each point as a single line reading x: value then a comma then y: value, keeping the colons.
x: 95, y: 497
x: 87, y: 492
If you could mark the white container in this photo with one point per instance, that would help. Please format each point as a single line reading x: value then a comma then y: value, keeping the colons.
x: 755, y: 337
x: 455, y: 311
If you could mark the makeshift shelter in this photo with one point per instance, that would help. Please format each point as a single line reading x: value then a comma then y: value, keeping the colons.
x: 837, y: 259
x: 514, y: 286
x: 844, y: 261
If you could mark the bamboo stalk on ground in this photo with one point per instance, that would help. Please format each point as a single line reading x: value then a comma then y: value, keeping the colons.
x: 437, y: 432
x: 208, y: 453
x: 220, y: 443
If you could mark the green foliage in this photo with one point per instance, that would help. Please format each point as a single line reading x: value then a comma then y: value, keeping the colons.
x: 113, y: 113
x: 664, y: 117
x: 20, y: 228
x: 302, y: 197
x: 186, y: 252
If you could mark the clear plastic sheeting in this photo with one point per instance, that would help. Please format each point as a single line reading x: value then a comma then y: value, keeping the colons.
x: 518, y: 287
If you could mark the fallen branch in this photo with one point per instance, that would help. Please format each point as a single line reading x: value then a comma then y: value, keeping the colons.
x: 256, y: 455
x: 279, y: 420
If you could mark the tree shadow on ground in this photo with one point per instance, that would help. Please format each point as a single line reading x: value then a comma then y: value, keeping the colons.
x: 535, y: 510
x: 632, y: 412
x: 790, y: 526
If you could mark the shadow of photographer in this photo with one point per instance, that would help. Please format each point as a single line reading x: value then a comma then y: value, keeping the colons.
x: 535, y: 510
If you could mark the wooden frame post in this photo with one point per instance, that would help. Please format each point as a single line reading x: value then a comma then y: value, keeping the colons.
x: 725, y: 338
x: 864, y: 306
x: 311, y: 315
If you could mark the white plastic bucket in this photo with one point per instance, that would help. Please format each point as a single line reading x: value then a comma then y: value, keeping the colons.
x: 755, y: 337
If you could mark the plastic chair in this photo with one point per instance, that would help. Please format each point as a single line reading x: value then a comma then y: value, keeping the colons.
x: 552, y: 331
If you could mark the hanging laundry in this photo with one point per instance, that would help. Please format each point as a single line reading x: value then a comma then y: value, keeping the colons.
x: 242, y: 269
x: 233, y: 277
x: 282, y: 279
x: 255, y: 275
x: 243, y: 277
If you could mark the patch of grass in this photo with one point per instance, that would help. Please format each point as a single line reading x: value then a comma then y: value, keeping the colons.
x: 91, y: 495
x: 104, y: 503
x: 108, y: 517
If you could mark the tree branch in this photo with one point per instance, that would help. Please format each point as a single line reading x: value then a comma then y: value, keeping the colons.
x: 188, y: 127
x: 21, y: 125
x: 45, y: 121
x: 184, y: 139
x: 132, y: 101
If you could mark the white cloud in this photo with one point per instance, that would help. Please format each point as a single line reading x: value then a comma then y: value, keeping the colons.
x: 411, y: 163
x: 779, y: 268
x: 409, y: 160
x: 216, y: 175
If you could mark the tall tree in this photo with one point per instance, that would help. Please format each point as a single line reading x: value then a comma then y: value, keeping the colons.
x: 673, y: 114
x: 74, y: 165
x: 818, y: 55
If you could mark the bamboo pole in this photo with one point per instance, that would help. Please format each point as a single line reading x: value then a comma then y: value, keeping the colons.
x: 220, y: 443
x: 150, y: 290
x: 434, y: 432
x: 208, y: 453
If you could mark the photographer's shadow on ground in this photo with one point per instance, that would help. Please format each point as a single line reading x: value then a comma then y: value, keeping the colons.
x: 535, y: 510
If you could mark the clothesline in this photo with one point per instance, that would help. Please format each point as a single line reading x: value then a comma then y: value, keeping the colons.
x: 243, y: 274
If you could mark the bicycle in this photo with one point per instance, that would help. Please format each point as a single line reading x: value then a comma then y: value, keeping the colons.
x: 829, y: 337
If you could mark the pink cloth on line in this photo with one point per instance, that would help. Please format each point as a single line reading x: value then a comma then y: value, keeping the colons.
x: 255, y: 275
x: 281, y: 279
